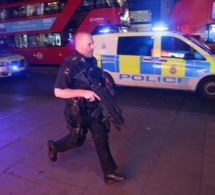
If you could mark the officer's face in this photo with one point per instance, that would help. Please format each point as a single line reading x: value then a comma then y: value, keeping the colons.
x: 87, y: 46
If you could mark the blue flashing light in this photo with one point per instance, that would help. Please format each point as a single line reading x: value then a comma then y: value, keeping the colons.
x: 105, y: 30
x: 14, y: 67
x: 160, y: 27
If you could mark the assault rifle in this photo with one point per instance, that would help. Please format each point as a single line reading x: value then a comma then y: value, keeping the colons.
x: 106, y: 99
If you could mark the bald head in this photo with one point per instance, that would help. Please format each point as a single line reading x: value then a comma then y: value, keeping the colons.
x: 84, y: 44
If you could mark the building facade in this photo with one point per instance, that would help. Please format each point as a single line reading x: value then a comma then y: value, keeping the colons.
x: 147, y: 13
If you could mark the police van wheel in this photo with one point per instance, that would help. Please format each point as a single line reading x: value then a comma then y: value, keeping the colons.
x: 206, y: 88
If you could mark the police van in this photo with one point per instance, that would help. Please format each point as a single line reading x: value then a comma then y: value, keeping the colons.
x: 168, y: 60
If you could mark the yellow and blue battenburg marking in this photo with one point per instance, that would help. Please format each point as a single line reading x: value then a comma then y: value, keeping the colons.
x: 201, y: 68
x: 149, y: 67
x: 110, y: 63
x: 127, y: 64
x: 139, y: 65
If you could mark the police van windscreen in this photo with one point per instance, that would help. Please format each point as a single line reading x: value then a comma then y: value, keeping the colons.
x: 200, y: 44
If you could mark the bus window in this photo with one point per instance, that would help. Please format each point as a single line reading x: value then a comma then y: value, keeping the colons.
x: 3, y: 14
x: 38, y: 40
x: 39, y: 8
x: 90, y: 4
x: 35, y: 41
x: 35, y: 10
x: 103, y: 3
x: 75, y: 21
x: 18, y: 12
x: 3, y: 45
x: 120, y: 3
x: 86, y: 5
x: 21, y: 41
x: 53, y: 7
x: 32, y: 10
x: 62, y: 4
x: 52, y: 39
x: 111, y: 3
x: 10, y: 41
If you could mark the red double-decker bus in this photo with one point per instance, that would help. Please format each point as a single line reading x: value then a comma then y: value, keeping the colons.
x: 196, y: 18
x: 42, y: 30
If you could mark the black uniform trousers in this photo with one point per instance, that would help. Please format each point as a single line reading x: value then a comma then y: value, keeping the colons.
x: 99, y: 134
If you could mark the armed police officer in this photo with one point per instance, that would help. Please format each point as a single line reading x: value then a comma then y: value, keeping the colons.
x: 81, y: 100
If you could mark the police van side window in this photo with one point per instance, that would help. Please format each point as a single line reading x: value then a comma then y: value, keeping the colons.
x: 135, y: 45
x: 176, y: 48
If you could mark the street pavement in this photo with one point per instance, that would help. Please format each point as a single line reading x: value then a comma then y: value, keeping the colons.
x: 160, y: 152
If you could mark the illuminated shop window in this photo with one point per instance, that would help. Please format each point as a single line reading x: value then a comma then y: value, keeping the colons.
x: 213, y: 11
x: 211, y: 33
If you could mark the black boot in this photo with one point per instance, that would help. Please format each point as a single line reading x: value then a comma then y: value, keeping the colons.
x: 113, y: 177
x: 52, y: 153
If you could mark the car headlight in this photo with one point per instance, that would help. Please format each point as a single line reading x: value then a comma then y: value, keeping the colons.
x: 14, y: 67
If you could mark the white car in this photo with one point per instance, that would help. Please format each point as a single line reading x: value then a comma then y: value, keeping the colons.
x: 11, y: 63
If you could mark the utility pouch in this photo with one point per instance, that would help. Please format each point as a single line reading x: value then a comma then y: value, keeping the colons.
x: 74, y: 116
x: 75, y: 109
x: 77, y: 132
x: 77, y: 136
